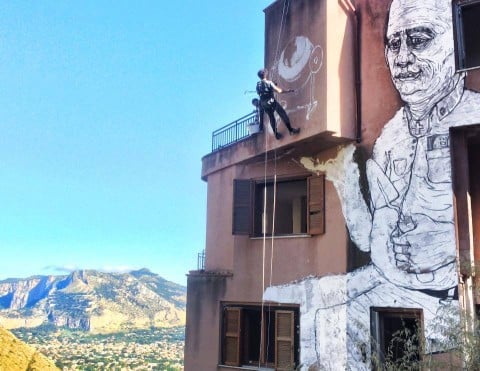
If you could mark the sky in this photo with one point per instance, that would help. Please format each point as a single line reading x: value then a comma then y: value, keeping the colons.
x: 107, y: 108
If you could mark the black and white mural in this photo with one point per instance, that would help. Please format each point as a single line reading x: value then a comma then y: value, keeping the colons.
x: 297, y: 65
x: 294, y: 56
x: 407, y: 223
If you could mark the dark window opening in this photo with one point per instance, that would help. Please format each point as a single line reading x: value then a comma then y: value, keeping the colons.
x: 250, y: 339
x: 467, y: 29
x: 466, y: 187
x: 474, y: 191
x: 288, y: 202
x: 286, y: 207
x: 396, y: 335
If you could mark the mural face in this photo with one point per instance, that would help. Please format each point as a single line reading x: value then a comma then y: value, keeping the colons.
x: 407, y: 224
x: 419, y: 49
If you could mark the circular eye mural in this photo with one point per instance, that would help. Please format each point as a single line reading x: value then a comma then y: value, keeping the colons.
x: 294, y: 58
x: 297, y: 65
x: 316, y: 59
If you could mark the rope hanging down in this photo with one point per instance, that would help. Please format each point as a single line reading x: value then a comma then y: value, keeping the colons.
x: 286, y: 5
x: 265, y: 229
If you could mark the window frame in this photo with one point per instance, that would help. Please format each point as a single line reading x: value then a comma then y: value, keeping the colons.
x: 231, y: 329
x: 377, y: 328
x: 244, y: 202
x: 286, y: 346
x: 458, y: 29
x: 464, y: 142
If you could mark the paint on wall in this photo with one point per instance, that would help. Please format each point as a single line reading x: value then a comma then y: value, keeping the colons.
x: 407, y: 225
x: 298, y: 64
x: 294, y: 56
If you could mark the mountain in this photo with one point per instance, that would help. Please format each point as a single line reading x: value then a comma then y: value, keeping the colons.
x: 16, y: 355
x: 93, y: 301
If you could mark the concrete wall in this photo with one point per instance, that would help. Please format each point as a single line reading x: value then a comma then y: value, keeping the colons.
x: 297, y: 256
x: 204, y: 291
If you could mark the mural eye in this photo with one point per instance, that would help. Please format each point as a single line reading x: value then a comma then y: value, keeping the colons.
x: 394, y: 44
x: 417, y: 42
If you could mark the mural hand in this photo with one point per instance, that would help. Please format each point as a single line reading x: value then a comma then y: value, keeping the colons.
x: 424, y: 247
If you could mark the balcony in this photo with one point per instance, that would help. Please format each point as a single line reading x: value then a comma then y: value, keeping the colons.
x: 201, y: 261
x: 233, y: 132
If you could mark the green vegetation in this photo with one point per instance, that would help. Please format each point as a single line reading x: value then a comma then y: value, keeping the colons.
x: 107, y: 291
x: 153, y: 349
x: 71, y: 301
x: 405, y: 351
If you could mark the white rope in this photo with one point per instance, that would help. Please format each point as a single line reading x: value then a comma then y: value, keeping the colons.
x: 286, y: 5
x: 273, y: 236
x: 264, y: 233
x: 273, y: 219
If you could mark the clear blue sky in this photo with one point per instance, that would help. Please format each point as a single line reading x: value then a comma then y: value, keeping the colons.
x: 106, y: 109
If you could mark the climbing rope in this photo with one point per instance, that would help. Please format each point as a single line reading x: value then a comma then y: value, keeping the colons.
x: 285, y: 8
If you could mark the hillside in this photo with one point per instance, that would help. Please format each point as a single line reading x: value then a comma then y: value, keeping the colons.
x: 93, y: 301
x: 16, y: 355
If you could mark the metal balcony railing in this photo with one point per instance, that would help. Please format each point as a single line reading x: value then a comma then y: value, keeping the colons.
x: 201, y: 261
x: 233, y: 132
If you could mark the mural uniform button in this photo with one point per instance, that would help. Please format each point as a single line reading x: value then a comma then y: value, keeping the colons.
x: 443, y: 111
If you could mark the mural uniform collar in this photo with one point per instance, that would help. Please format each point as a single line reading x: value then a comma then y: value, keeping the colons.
x: 421, y: 127
x: 449, y: 102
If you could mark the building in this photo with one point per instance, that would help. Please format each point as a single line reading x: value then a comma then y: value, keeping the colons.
x: 322, y: 246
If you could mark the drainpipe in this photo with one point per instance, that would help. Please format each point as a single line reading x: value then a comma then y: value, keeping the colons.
x: 350, y: 6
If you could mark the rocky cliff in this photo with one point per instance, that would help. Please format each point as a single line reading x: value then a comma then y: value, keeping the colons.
x: 93, y: 301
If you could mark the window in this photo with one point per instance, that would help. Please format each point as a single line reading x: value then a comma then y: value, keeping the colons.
x: 294, y: 206
x: 253, y: 335
x: 467, y: 29
x: 465, y: 152
x: 396, y: 335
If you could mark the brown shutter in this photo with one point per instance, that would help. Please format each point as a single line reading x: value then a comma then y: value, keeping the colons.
x: 284, y: 340
x: 231, y: 345
x: 316, y: 204
x: 242, y: 206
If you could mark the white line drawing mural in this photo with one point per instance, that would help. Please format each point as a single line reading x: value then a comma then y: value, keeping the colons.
x: 407, y: 226
x: 298, y: 64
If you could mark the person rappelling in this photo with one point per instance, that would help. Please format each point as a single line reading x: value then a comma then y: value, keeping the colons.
x: 266, y: 90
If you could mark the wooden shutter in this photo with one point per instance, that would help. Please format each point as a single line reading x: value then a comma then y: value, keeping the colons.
x: 231, y: 341
x: 242, y: 206
x: 316, y: 205
x: 284, y: 340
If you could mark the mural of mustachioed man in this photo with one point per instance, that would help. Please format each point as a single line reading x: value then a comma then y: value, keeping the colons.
x: 407, y: 225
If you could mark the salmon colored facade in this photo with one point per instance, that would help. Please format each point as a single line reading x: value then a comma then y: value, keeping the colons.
x: 312, y: 232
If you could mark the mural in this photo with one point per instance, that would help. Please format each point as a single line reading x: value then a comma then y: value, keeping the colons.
x: 407, y: 224
x: 298, y: 64
x: 294, y: 56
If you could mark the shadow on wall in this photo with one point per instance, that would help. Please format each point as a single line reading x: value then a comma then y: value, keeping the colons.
x: 202, y: 290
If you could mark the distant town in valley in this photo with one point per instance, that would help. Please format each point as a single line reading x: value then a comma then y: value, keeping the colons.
x: 154, y: 349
